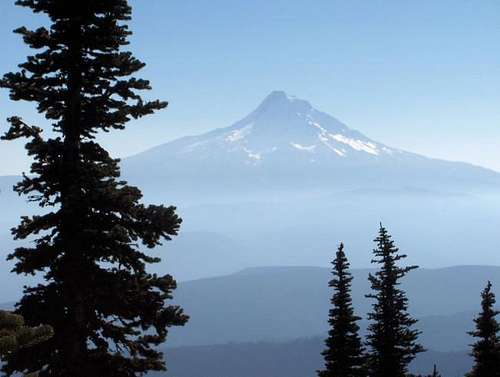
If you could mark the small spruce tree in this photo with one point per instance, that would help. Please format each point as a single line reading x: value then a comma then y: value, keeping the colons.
x: 435, y: 372
x: 391, y: 338
x: 344, y: 354
x: 109, y: 314
x: 486, y: 351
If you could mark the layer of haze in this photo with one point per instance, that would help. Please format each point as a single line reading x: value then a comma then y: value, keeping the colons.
x: 422, y: 76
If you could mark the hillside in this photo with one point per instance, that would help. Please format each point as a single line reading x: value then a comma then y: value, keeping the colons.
x: 280, y: 304
x: 298, y: 358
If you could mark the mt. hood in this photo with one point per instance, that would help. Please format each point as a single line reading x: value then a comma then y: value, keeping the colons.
x: 286, y: 142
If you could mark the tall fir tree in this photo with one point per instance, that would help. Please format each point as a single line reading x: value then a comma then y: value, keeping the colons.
x: 108, y: 313
x: 344, y: 354
x: 392, y: 341
x: 486, y: 351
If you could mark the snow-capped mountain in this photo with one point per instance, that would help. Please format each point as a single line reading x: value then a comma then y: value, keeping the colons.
x: 281, y: 124
x: 287, y: 125
x: 286, y: 141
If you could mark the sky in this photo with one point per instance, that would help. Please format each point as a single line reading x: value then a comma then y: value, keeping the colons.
x: 423, y: 76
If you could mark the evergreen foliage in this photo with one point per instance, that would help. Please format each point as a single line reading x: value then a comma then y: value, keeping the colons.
x: 108, y: 313
x: 486, y: 351
x: 391, y: 339
x: 344, y: 351
x: 14, y: 335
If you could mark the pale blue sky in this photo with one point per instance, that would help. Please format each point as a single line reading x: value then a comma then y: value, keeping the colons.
x: 418, y: 75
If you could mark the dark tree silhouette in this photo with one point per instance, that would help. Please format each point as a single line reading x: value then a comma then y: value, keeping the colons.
x: 391, y: 339
x: 486, y: 351
x: 435, y: 372
x: 14, y: 335
x: 108, y: 313
x: 344, y: 351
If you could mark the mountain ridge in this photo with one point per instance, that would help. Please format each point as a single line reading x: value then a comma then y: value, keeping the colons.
x: 243, y: 307
x: 295, y: 358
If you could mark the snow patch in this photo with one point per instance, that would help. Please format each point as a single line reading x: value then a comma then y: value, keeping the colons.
x: 253, y: 155
x: 308, y: 148
x: 358, y: 145
x: 326, y: 142
x: 239, y: 134
x: 339, y: 152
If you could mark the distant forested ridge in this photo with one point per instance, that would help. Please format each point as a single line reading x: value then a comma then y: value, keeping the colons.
x: 297, y: 358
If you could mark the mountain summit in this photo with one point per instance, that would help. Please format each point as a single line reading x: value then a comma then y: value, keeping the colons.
x: 286, y: 125
x: 285, y: 141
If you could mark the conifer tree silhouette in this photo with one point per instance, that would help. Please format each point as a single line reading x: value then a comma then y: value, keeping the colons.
x: 392, y: 341
x: 108, y: 313
x: 435, y: 372
x: 486, y: 351
x: 344, y: 351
